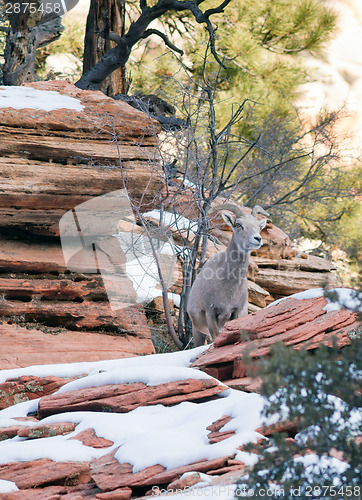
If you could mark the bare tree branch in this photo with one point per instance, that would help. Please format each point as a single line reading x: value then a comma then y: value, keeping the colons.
x: 164, y: 37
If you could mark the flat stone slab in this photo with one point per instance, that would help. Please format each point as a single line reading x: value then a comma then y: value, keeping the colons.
x: 20, y: 347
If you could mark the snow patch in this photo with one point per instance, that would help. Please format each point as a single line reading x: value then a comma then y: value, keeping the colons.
x: 315, y: 464
x: 174, y: 221
x: 179, y: 358
x: 55, y: 448
x: 151, y: 377
x: 141, y: 265
x: 7, y: 486
x: 170, y: 436
x: 29, y: 98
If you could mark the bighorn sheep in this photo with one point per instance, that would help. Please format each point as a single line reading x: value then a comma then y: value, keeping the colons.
x: 220, y: 291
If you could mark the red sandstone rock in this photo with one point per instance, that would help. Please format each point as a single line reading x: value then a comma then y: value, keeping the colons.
x: 78, y: 316
x: 9, y: 432
x: 118, y: 494
x: 173, y: 474
x: 264, y: 320
x: 130, y: 396
x: 216, y: 437
x: 276, y: 243
x: 204, y: 394
x: 101, y: 115
x: 257, y: 295
x: 47, y: 430
x: 20, y: 256
x: 308, y: 263
x: 44, y: 471
x: 228, y: 353
x: 287, y: 426
x: 89, y: 438
x: 66, y: 400
x: 219, y: 424
x: 109, y: 474
x: 302, y: 323
x: 283, y: 283
x: 79, y: 492
x: 28, y: 387
x: 341, y: 338
x: 19, y: 347
x: 52, y: 289
x: 220, y: 371
x: 185, y: 482
x: 247, y: 384
x: 51, y: 160
x: 225, y: 470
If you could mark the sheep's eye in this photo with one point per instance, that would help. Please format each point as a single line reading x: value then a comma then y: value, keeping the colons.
x: 239, y: 225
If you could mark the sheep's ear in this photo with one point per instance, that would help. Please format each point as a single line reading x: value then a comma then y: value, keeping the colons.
x: 229, y: 218
x: 262, y: 223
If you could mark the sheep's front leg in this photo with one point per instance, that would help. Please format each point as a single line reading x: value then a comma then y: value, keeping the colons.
x: 199, y: 337
x: 212, y: 323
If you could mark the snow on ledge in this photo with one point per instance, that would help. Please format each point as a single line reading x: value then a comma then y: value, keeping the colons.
x: 175, y: 359
x: 150, y: 375
x: 29, y: 98
x: 346, y: 298
x: 7, y: 486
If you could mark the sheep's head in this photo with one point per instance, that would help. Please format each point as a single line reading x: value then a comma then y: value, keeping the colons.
x: 246, y: 227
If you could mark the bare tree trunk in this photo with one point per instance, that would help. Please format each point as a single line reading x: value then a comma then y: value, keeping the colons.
x: 95, y: 46
x: 27, y: 32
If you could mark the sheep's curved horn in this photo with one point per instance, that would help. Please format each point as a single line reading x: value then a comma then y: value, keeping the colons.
x: 235, y: 209
x: 259, y: 210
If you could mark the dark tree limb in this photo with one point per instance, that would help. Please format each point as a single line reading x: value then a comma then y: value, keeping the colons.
x: 113, y: 37
x: 164, y: 37
x: 118, y: 56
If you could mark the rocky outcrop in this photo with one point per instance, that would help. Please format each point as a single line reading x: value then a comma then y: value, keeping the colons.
x: 50, y: 162
x: 303, y: 323
x: 127, y: 397
x: 106, y: 477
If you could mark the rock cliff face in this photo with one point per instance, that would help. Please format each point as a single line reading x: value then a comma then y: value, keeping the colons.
x: 51, y: 160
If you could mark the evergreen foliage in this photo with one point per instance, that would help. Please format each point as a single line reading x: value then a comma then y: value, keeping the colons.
x: 259, y: 42
x: 321, y: 392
